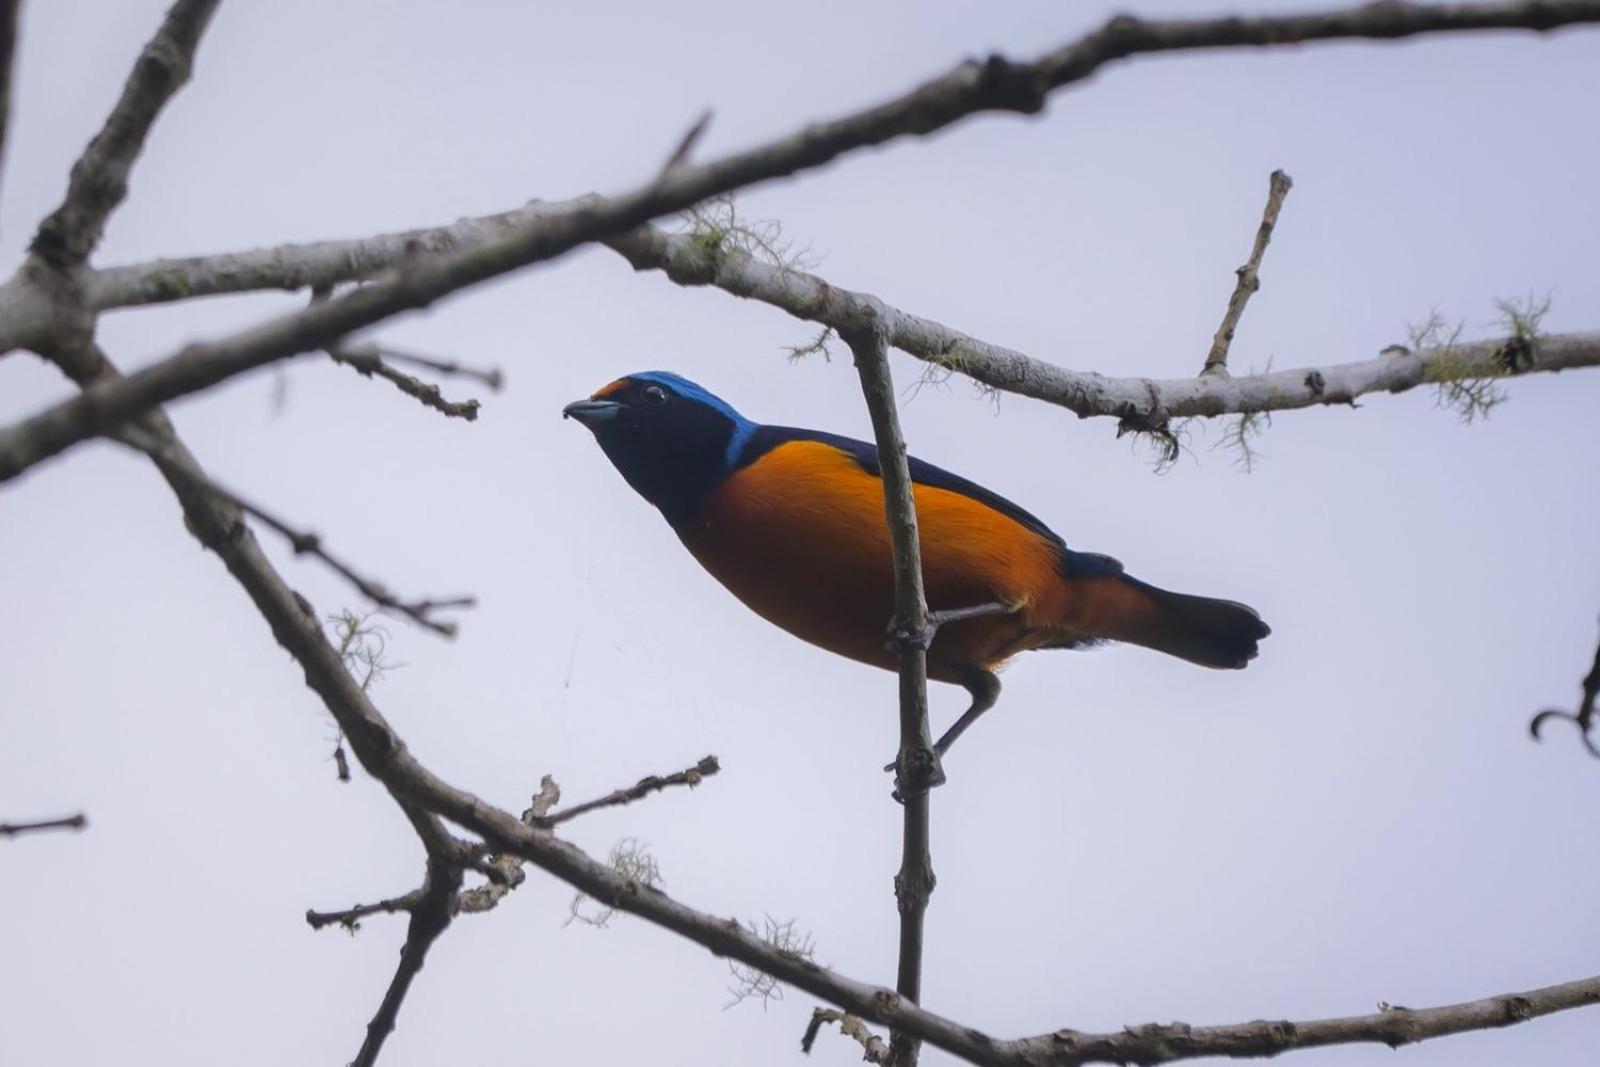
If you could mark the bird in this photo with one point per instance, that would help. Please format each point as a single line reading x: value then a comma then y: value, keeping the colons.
x: 792, y: 522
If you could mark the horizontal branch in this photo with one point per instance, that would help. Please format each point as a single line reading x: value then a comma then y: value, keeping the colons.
x: 1393, y: 1026
x: 806, y: 296
x: 996, y: 84
x: 350, y: 918
x: 690, y: 777
x: 1144, y: 400
x: 71, y: 822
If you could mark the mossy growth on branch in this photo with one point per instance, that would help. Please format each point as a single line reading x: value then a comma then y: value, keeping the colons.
x: 630, y: 858
x: 752, y: 984
x: 1470, y: 386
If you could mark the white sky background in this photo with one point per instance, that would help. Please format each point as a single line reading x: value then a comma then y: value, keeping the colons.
x: 1358, y: 817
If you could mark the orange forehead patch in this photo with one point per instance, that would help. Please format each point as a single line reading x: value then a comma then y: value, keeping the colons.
x: 615, y: 387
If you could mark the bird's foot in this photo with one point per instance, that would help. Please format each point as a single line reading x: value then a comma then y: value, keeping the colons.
x: 916, y: 771
x: 898, y: 640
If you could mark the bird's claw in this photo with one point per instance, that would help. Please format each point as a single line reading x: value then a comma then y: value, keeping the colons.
x: 916, y: 771
x: 898, y: 640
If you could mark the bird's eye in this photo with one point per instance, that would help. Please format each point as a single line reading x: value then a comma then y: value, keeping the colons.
x: 654, y: 394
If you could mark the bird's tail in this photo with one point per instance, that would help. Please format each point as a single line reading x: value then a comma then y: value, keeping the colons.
x: 1203, y: 630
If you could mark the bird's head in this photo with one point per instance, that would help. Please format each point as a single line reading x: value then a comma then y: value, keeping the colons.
x: 672, y: 440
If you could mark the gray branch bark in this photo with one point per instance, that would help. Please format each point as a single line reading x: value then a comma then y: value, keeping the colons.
x: 811, y: 298
x: 99, y: 181
x: 910, y: 632
x: 996, y: 84
x: 44, y: 307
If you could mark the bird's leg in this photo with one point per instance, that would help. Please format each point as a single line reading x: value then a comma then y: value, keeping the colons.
x: 937, y: 619
x: 919, y: 769
x: 985, y: 690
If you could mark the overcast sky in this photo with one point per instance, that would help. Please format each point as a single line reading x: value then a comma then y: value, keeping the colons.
x: 1358, y: 817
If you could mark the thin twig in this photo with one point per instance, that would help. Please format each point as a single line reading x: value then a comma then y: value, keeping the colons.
x: 99, y: 181
x: 1584, y: 717
x: 71, y: 822
x: 494, y: 377
x: 307, y: 542
x: 917, y: 766
x: 690, y: 777
x: 350, y: 918
x: 996, y: 84
x: 368, y: 360
x: 1278, y: 187
x: 686, y: 143
x: 873, y: 1048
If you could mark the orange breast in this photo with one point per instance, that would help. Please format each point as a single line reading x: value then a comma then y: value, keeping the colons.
x: 800, y: 536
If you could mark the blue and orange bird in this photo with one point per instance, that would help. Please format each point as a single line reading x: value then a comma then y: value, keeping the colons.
x: 792, y: 522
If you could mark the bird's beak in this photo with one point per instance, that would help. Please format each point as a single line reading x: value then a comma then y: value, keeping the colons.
x: 592, y: 412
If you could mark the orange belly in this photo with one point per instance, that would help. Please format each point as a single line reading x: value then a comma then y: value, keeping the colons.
x: 800, y: 536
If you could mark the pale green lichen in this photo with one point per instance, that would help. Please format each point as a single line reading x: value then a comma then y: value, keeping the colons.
x: 716, y: 228
x: 168, y: 284
x: 631, y: 859
x: 1240, y: 434
x: 1470, y: 385
x: 750, y: 983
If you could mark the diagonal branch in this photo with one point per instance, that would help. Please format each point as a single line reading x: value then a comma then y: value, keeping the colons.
x: 911, y: 632
x: 304, y: 542
x: 997, y: 84
x: 218, y: 526
x: 370, y: 360
x: 99, y: 179
x: 1278, y: 187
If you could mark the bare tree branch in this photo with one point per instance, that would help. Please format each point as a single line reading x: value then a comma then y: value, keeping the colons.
x: 71, y: 822
x: 8, y: 50
x: 686, y: 143
x: 350, y: 918
x: 917, y: 767
x: 1394, y: 1027
x: 100, y: 177
x: 431, y: 914
x: 217, y: 525
x: 690, y: 777
x: 1278, y: 187
x: 494, y: 378
x: 1144, y: 401
x: 996, y: 84
x: 1583, y: 719
x: 304, y: 542
x: 368, y: 361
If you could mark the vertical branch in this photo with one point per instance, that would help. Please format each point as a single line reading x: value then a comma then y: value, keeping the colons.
x: 1278, y: 187
x: 910, y: 635
x: 8, y: 51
